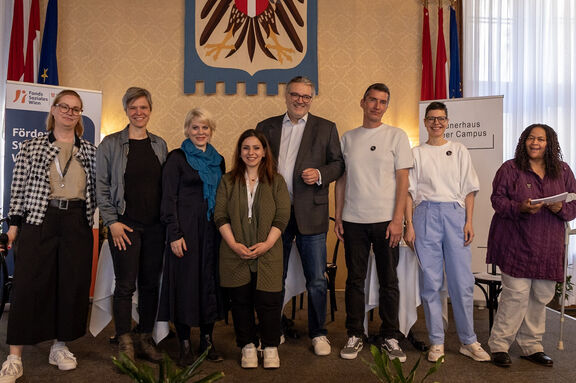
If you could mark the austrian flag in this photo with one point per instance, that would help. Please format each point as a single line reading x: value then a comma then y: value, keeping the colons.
x: 251, y: 8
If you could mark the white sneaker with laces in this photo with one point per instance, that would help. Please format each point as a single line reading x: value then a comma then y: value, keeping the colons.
x: 62, y: 357
x: 475, y: 351
x: 435, y: 352
x: 11, y: 369
x: 271, y: 358
x: 321, y: 345
x: 249, y: 356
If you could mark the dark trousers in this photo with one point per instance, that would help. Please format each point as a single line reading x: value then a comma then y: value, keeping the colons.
x: 357, y: 240
x: 268, y: 305
x: 183, y: 330
x: 140, y: 261
x: 53, y: 263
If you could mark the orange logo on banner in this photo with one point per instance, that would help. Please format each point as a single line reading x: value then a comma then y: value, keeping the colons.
x: 20, y: 92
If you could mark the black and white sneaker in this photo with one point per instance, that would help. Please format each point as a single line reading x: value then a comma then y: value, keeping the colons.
x: 392, y: 348
x: 352, y: 348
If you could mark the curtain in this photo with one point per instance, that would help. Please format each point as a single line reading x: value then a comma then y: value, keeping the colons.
x: 526, y: 51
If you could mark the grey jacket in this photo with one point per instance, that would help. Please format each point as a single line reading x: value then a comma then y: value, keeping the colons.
x: 111, y: 159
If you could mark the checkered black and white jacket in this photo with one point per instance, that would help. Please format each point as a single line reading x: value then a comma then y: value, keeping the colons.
x: 31, y: 179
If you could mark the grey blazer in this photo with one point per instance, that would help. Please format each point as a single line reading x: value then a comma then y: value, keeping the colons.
x: 319, y: 149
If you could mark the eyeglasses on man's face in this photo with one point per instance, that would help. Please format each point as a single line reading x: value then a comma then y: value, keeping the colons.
x: 440, y: 119
x: 65, y: 108
x: 297, y: 96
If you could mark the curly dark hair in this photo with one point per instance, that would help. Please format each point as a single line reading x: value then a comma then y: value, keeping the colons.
x: 552, y: 154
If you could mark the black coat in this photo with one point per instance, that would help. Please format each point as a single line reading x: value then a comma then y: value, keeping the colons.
x: 190, y: 286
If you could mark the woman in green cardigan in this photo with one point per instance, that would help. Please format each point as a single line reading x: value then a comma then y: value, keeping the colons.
x: 252, y: 209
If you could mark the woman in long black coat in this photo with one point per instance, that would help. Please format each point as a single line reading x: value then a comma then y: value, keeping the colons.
x: 190, y: 289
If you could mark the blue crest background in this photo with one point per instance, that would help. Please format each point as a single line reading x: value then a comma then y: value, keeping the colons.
x: 196, y: 70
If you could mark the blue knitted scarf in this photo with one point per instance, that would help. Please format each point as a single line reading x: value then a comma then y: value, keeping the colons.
x: 208, y: 166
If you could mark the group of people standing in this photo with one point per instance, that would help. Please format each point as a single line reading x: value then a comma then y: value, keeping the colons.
x: 223, y: 240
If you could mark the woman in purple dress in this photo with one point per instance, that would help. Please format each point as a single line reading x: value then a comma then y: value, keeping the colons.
x: 526, y: 241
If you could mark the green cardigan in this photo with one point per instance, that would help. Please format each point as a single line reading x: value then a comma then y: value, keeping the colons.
x: 273, y: 210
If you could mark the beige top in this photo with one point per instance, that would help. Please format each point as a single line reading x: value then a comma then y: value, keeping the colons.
x: 73, y: 185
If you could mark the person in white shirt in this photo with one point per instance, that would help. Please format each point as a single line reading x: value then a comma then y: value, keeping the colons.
x: 443, y: 184
x: 370, y: 200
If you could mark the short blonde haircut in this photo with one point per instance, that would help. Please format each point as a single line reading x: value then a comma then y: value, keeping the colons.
x: 200, y: 114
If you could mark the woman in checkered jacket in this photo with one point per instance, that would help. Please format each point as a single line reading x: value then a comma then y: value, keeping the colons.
x: 51, y: 214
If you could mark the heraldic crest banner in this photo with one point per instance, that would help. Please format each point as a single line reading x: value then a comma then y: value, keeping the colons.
x: 251, y: 42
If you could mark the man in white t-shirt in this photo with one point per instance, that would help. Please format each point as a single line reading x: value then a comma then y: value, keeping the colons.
x: 370, y: 202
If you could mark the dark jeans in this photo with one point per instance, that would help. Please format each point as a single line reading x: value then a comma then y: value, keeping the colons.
x: 140, y: 261
x: 312, y: 249
x: 268, y: 305
x: 357, y: 240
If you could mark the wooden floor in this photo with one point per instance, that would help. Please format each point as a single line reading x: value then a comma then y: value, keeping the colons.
x: 300, y: 365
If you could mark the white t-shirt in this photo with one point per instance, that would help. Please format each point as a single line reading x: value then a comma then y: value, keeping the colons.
x: 442, y: 173
x: 372, y: 157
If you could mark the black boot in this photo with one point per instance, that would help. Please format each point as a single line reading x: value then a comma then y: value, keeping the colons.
x: 126, y: 346
x: 187, y: 356
x: 205, y: 342
x: 146, y: 348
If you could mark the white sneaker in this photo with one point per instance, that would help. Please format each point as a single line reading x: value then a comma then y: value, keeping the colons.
x: 271, y: 358
x: 435, y: 352
x: 321, y: 345
x: 11, y: 369
x: 249, y: 356
x: 62, y: 357
x: 475, y: 351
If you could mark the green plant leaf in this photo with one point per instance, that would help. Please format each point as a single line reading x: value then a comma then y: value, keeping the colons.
x: 398, y: 367
x: 412, y: 375
x: 140, y: 373
x: 212, y: 377
x: 434, y: 368
x: 381, y: 368
x: 168, y: 372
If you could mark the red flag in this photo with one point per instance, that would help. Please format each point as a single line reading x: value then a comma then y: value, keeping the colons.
x: 31, y: 64
x: 441, y: 88
x: 23, y: 56
x: 16, y: 55
x: 427, y: 86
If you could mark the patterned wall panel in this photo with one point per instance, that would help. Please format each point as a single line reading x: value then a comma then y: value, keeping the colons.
x: 111, y: 45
